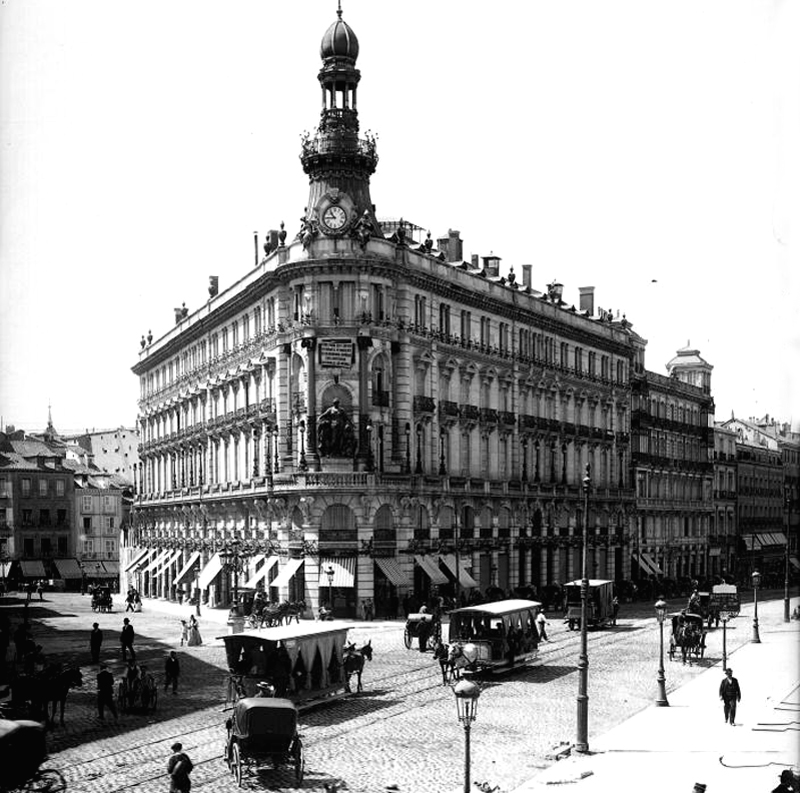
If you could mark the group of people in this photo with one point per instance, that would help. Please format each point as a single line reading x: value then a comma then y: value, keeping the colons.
x: 190, y: 632
x: 133, y: 600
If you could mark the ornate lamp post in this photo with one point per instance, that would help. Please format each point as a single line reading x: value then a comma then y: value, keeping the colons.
x: 275, y: 434
x: 582, y: 740
x: 408, y: 448
x: 466, y: 693
x: 661, y: 613
x: 303, y: 463
x: 370, y: 456
x: 442, y: 467
x: 756, y: 578
x: 418, y: 468
x: 724, y: 615
x: 233, y: 561
x: 330, y: 572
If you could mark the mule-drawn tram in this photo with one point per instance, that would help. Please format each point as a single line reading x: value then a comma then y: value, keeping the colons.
x: 303, y: 662
x: 422, y: 625
x: 263, y: 731
x: 599, y: 603
x: 688, y: 635
x: 503, y: 634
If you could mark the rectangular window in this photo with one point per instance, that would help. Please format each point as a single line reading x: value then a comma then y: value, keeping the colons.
x: 86, y: 504
x: 4, y: 491
x: 27, y: 517
x: 111, y: 547
x: 44, y: 517
x: 61, y: 517
x: 108, y: 504
x: 109, y: 523
x: 27, y: 546
x: 88, y: 546
x: 43, y: 487
x: 26, y: 487
x: 46, y: 546
x: 59, y: 487
x: 63, y: 546
x: 87, y: 524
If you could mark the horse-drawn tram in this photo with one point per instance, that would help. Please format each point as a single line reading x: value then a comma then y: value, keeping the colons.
x: 502, y: 635
x: 599, y: 603
x: 304, y: 662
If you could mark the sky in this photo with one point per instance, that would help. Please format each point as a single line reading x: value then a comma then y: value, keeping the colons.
x: 648, y: 148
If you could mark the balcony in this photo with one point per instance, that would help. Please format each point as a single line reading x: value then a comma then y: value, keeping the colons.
x: 470, y: 412
x: 424, y: 404
x: 380, y: 399
x: 488, y: 416
x: 507, y: 418
x: 448, y: 408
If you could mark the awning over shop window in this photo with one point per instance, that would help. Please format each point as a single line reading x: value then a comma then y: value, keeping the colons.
x: 261, y: 572
x: 68, y: 568
x: 112, y: 566
x: 187, y: 571
x: 170, y: 559
x: 344, y: 571
x: 431, y: 567
x: 289, y: 569
x: 652, y: 563
x: 771, y: 538
x: 139, y: 558
x: 465, y: 580
x: 643, y: 564
x: 156, y: 561
x: 32, y: 568
x: 795, y: 561
x: 391, y: 569
x: 210, y: 571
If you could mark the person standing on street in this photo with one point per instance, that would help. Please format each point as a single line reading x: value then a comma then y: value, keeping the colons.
x: 105, y: 692
x: 126, y: 640
x: 95, y: 642
x: 541, y: 624
x: 179, y: 766
x: 172, y: 671
x: 730, y: 694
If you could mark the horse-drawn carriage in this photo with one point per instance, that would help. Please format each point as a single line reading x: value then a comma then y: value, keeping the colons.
x: 304, y: 662
x: 141, y: 692
x: 261, y: 613
x: 23, y: 750
x: 262, y: 731
x: 422, y: 625
x: 102, y: 600
x: 39, y: 695
x: 688, y: 634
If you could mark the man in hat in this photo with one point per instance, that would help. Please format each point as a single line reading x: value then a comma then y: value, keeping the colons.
x: 787, y: 784
x: 730, y: 694
x: 179, y: 766
x: 95, y: 641
x: 105, y: 692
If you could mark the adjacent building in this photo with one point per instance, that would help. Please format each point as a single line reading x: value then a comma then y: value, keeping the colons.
x: 722, y: 550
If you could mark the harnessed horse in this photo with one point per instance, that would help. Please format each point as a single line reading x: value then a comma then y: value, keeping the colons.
x: 451, y: 660
x: 353, y: 663
x: 47, y: 690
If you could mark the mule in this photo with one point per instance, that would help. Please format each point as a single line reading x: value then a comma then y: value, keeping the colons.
x: 353, y: 663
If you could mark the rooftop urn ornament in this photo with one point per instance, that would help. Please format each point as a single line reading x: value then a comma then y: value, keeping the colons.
x: 143, y: 342
x: 149, y: 336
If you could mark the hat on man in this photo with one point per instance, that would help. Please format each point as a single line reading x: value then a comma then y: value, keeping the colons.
x: 176, y: 747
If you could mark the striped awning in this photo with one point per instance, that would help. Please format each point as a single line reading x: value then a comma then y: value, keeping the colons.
x: 771, y: 538
x: 391, y: 569
x: 32, y: 568
x: 465, y: 580
x: 139, y: 559
x: 289, y: 569
x: 652, y: 563
x: 261, y: 572
x: 68, y: 568
x: 171, y: 557
x: 112, y: 566
x: 156, y: 561
x: 188, y: 569
x: 5, y: 569
x: 794, y: 560
x: 431, y: 567
x: 210, y: 571
x: 643, y: 564
x: 344, y: 571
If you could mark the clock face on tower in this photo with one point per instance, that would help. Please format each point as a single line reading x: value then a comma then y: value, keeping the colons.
x: 334, y: 217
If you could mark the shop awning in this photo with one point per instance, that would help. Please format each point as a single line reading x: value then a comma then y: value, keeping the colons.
x: 156, y: 561
x: 465, y: 580
x: 431, y: 567
x: 643, y: 564
x: 32, y: 568
x: 652, y: 563
x: 68, y: 568
x: 794, y: 561
x: 771, y: 538
x: 112, y: 566
x: 285, y: 575
x: 187, y: 571
x: 171, y: 558
x: 391, y: 569
x: 344, y: 571
x: 5, y: 569
x: 139, y: 558
x: 210, y: 571
x: 261, y: 572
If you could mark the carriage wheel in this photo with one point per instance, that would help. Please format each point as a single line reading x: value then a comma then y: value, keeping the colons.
x: 47, y: 781
x: 407, y: 639
x: 299, y: 761
x: 236, y: 763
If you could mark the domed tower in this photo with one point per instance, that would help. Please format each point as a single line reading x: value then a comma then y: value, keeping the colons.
x: 689, y: 367
x: 338, y: 162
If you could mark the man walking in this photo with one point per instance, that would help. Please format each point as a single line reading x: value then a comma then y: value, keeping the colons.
x: 126, y: 640
x: 172, y: 671
x: 730, y: 694
x: 95, y: 642
x: 105, y: 692
x: 541, y: 624
x: 179, y: 766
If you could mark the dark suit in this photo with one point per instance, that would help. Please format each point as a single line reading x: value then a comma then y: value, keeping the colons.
x: 730, y: 694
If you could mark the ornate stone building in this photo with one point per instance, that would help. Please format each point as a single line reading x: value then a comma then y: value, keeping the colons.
x: 368, y: 415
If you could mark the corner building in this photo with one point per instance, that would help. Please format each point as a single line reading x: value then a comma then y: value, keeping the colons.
x: 363, y: 415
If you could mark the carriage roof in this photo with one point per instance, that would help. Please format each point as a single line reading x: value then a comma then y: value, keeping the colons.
x: 267, y: 717
x: 498, y: 607
x: 687, y: 616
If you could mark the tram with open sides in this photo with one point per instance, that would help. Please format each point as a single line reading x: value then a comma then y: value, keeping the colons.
x: 503, y: 633
x: 302, y: 662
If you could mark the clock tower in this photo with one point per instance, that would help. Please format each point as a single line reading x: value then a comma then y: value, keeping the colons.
x: 338, y: 162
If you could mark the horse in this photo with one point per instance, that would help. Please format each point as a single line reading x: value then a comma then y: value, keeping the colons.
x: 47, y: 690
x: 353, y: 663
x: 457, y: 661
x: 441, y: 653
x: 295, y: 609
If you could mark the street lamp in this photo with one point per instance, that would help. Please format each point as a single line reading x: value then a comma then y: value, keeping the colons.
x: 724, y: 615
x: 330, y: 572
x: 661, y: 613
x: 442, y: 467
x: 418, y: 468
x: 582, y: 740
x: 303, y: 463
x: 275, y: 443
x: 370, y: 457
x: 408, y: 448
x: 756, y: 578
x: 466, y: 693
x: 232, y: 560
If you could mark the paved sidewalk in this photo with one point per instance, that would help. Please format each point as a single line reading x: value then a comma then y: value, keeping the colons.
x: 670, y: 748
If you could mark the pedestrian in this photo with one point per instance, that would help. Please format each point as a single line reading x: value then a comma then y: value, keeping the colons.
x: 126, y: 639
x: 788, y: 783
x: 369, y: 610
x: 541, y: 624
x: 95, y: 641
x: 614, y: 610
x: 179, y: 767
x: 28, y: 592
x: 184, y: 632
x: 83, y: 583
x: 129, y: 599
x: 172, y: 671
x: 423, y: 633
x: 105, y: 692
x: 195, y: 640
x: 730, y: 693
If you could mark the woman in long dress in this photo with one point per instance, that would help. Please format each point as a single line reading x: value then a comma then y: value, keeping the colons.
x: 195, y: 640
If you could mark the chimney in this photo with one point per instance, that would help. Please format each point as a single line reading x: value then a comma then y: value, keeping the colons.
x: 587, y: 299
x: 527, y: 269
x: 454, y: 246
x: 475, y: 261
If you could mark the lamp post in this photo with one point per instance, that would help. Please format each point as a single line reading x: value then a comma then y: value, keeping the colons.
x: 724, y: 615
x: 408, y: 448
x: 756, y: 578
x: 582, y: 740
x: 442, y: 467
x: 275, y: 444
x: 466, y: 693
x: 661, y: 613
x: 303, y: 463
x: 330, y: 572
x: 232, y: 560
x: 524, y: 458
x: 418, y: 468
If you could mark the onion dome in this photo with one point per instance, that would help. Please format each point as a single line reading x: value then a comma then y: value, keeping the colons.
x: 339, y: 41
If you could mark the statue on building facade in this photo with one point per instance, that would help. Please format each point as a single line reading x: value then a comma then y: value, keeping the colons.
x: 335, y: 433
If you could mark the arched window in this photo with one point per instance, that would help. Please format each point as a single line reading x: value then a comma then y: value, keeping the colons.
x: 385, y: 536
x: 338, y: 524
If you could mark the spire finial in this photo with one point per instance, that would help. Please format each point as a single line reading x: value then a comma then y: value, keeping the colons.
x: 339, y: 9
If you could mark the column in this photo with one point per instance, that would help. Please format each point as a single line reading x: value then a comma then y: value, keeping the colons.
x: 312, y: 452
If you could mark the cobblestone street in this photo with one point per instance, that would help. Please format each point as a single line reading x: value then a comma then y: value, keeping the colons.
x: 401, y: 729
